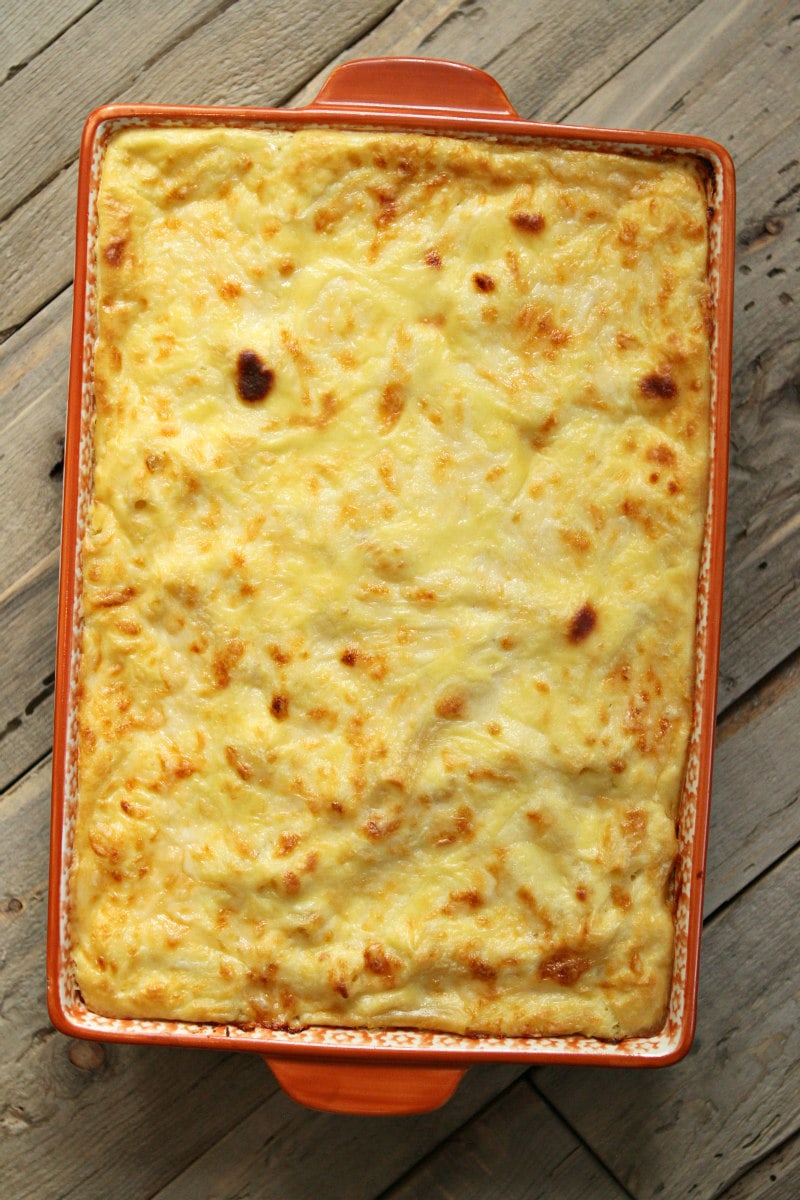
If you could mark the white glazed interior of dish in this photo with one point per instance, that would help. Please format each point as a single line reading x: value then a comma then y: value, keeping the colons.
x: 384, y: 1042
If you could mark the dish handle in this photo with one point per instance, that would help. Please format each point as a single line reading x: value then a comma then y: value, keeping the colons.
x: 425, y: 85
x: 367, y: 1089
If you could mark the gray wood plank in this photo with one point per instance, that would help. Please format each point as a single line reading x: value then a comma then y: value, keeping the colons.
x: 691, y: 1130
x: 30, y: 25
x: 301, y: 1155
x: 44, y: 104
x: 776, y: 1177
x: 145, y: 50
x: 27, y: 668
x: 517, y: 1149
x: 755, y: 809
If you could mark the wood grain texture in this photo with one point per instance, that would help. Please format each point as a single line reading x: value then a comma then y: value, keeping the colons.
x: 755, y: 808
x: 517, y: 1148
x: 693, y: 1129
x: 292, y: 1153
x: 776, y: 1177
x: 45, y: 104
x: 28, y: 26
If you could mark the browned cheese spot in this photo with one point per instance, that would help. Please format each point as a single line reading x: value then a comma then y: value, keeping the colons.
x: 618, y: 765
x: 388, y: 209
x: 278, y: 655
x: 582, y: 623
x: 472, y: 898
x: 565, y: 966
x: 230, y: 289
x: 225, y: 660
x: 115, y: 252
x: 620, y: 898
x: 658, y: 386
x: 154, y: 462
x: 663, y: 454
x: 483, y: 282
x: 433, y: 259
x: 279, y: 707
x: 114, y: 597
x: 286, y: 844
x: 481, y: 969
x: 581, y: 893
x: 254, y: 379
x: 451, y: 705
x: 527, y: 222
x: 340, y: 986
x: 380, y: 961
x: 391, y: 405
x: 462, y: 828
x: 379, y: 825
x: 349, y: 657
x: 235, y: 760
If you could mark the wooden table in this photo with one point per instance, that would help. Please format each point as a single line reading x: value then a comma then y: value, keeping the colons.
x: 83, y: 1120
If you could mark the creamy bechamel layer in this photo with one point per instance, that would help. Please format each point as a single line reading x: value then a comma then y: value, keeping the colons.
x: 389, y: 585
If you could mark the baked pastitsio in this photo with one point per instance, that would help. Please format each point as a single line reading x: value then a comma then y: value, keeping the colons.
x: 389, y: 584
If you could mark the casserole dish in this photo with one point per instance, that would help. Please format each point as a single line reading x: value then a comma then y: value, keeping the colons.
x: 391, y: 1070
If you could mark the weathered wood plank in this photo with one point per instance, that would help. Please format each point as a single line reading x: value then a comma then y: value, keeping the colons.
x: 77, y: 1119
x: 45, y: 104
x: 30, y: 25
x: 776, y: 1177
x: 307, y: 1154
x: 109, y: 54
x: 755, y: 810
x: 27, y: 666
x: 517, y: 1149
x: 693, y: 1129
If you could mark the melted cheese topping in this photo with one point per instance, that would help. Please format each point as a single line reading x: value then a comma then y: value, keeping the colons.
x: 389, y: 587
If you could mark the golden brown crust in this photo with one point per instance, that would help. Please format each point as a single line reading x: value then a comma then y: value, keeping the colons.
x: 389, y: 582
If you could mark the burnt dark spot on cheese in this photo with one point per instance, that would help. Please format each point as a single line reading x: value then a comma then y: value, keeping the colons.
x: 391, y: 405
x: 564, y: 966
x: 279, y: 706
x: 527, y: 222
x: 115, y: 252
x: 341, y: 987
x: 451, y: 705
x: 433, y: 258
x: 583, y: 622
x: 483, y: 282
x: 380, y: 961
x: 349, y: 657
x: 658, y: 386
x: 254, y: 379
x: 114, y: 597
x: 672, y: 487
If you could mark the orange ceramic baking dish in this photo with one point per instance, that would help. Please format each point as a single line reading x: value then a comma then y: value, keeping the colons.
x: 393, y: 1071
